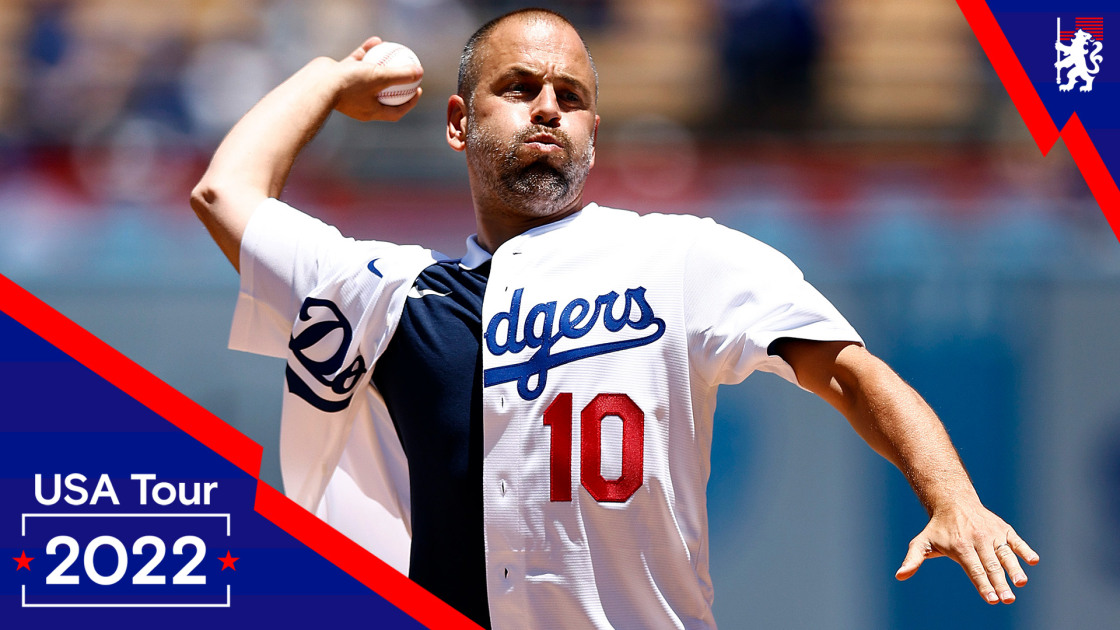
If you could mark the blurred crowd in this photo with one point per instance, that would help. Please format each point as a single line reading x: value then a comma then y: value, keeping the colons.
x: 71, y: 70
x: 759, y: 110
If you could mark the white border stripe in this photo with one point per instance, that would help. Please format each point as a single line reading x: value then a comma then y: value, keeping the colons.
x: 23, y: 520
x: 24, y: 604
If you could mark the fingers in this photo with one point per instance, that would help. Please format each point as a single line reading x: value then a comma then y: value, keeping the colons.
x: 1020, y: 546
x: 988, y: 563
x: 376, y: 77
x: 1007, y: 553
x: 394, y: 75
x: 396, y: 112
x: 987, y: 569
x: 997, y: 589
x: 918, y: 551
x: 362, y: 82
x: 1010, y: 564
x: 984, y: 569
x: 974, y: 567
x: 361, y: 51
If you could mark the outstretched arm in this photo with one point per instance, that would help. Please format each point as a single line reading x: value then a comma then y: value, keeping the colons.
x: 253, y: 161
x: 900, y: 426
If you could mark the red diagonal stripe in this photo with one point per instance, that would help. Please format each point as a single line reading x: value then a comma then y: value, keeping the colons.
x: 1093, y: 168
x: 129, y: 377
x: 1010, y: 72
x: 1041, y: 125
x: 351, y: 557
x: 194, y: 420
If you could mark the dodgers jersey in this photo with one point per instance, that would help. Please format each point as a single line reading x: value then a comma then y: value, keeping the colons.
x: 604, y: 338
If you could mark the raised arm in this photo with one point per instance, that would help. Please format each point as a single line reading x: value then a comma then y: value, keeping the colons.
x: 900, y: 426
x: 253, y: 161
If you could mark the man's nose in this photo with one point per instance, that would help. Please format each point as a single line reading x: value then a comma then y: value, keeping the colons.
x: 546, y: 110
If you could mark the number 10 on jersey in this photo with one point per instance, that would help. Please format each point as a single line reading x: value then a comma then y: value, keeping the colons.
x: 558, y: 416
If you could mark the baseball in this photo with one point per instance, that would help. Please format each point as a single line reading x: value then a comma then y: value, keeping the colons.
x: 390, y: 55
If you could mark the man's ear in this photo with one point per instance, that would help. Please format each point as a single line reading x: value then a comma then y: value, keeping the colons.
x: 594, y: 139
x: 456, y: 123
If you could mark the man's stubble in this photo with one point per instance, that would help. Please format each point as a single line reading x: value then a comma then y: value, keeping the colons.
x: 536, y: 188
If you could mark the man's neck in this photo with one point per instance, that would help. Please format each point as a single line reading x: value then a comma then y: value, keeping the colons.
x: 497, y: 224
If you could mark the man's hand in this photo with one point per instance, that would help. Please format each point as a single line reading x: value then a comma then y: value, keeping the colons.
x: 361, y: 83
x: 254, y: 160
x: 894, y: 420
x: 982, y: 543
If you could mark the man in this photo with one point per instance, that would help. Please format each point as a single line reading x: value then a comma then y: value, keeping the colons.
x: 503, y: 377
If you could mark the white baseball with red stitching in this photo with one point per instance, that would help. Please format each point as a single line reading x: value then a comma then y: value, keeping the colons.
x: 391, y: 55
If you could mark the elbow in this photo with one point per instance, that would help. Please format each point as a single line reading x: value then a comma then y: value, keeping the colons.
x: 203, y: 199
x: 216, y: 201
x: 224, y: 199
x: 225, y: 215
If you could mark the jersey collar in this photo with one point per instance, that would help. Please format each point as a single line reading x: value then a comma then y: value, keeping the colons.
x: 476, y: 256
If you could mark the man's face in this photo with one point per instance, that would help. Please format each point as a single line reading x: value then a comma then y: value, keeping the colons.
x: 531, y: 122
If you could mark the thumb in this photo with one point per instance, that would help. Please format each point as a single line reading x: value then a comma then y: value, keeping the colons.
x: 382, y: 76
x: 915, y: 556
x: 361, y: 51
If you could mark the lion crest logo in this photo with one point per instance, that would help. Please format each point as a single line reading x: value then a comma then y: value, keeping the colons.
x: 1077, y: 58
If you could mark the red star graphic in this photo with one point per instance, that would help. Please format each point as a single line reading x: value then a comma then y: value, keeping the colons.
x: 227, y: 562
x: 23, y: 562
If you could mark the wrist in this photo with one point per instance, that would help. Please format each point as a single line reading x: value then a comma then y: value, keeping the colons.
x: 321, y: 77
x: 949, y: 501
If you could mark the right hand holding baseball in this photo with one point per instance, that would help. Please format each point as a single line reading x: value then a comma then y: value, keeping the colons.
x: 361, y: 83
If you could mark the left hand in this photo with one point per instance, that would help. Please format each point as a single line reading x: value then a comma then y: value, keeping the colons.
x: 982, y: 543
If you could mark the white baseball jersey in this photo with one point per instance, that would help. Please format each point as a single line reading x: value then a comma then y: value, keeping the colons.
x: 605, y: 337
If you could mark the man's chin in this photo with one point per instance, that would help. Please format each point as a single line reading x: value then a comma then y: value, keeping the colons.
x: 540, y: 188
x: 542, y: 169
x: 545, y: 181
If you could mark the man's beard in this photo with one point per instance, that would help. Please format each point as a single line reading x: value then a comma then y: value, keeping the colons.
x: 538, y: 187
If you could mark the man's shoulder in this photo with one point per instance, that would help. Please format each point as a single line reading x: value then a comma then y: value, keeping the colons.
x: 672, y: 224
x: 621, y: 214
x: 664, y: 232
x: 278, y: 228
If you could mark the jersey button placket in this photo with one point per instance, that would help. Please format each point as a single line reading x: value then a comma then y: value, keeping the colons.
x: 500, y: 466
x: 507, y: 275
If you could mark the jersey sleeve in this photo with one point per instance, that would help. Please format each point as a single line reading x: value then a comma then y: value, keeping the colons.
x: 285, y: 256
x: 328, y: 305
x: 740, y: 296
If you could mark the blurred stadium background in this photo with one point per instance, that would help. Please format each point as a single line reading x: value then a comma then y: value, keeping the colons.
x: 867, y: 139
